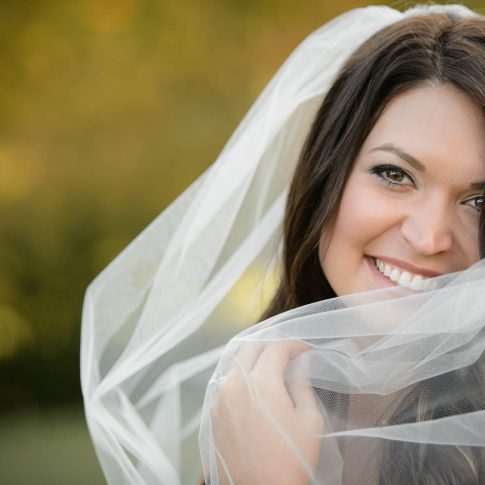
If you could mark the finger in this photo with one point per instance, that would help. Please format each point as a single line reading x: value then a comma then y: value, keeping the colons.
x: 301, y: 390
x: 275, y: 357
x: 246, y: 357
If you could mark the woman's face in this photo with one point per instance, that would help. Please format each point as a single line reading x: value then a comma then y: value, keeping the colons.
x: 410, y: 209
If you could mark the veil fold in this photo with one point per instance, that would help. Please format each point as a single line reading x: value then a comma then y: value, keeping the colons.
x: 167, y: 323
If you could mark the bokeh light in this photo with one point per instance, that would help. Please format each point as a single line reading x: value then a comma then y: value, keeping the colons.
x: 110, y: 108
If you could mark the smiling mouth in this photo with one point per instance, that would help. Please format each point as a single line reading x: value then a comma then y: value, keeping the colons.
x: 398, y: 276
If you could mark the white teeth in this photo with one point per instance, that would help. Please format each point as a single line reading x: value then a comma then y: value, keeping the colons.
x: 395, y: 274
x: 405, y: 278
x: 416, y: 283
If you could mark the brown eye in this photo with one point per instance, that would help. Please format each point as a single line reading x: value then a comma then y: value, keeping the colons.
x: 393, y: 176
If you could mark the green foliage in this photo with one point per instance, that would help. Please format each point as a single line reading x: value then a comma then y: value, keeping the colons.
x: 109, y: 110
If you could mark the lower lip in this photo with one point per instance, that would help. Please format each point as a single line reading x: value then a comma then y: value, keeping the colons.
x: 384, y: 281
x: 381, y: 279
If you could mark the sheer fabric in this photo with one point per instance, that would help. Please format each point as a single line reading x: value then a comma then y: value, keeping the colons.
x: 374, y: 380
x: 360, y: 380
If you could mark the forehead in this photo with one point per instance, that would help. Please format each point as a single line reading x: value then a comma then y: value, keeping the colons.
x: 435, y: 124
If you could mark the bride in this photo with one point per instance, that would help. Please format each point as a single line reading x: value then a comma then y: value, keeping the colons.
x: 357, y: 179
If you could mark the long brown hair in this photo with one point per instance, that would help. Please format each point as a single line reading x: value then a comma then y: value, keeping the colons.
x: 420, y: 50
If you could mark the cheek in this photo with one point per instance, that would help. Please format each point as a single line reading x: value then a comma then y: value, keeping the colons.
x: 366, y: 222
x: 470, y: 244
x: 339, y: 243
x: 363, y: 216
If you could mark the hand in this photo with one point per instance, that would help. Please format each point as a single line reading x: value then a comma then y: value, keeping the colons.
x: 264, y: 431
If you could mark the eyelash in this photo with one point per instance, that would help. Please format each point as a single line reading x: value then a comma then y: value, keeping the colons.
x: 475, y: 208
x: 380, y: 170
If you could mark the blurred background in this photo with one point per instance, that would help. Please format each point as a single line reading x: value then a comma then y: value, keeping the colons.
x: 109, y: 109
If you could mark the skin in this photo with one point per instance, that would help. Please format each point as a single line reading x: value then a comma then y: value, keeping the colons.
x: 252, y: 448
x: 429, y: 220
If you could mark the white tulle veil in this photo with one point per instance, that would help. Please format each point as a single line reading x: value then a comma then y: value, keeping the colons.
x: 164, y: 323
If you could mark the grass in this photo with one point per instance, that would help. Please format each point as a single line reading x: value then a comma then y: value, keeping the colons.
x: 48, y: 448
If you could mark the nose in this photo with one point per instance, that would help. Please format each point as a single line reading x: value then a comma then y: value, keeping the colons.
x: 428, y: 229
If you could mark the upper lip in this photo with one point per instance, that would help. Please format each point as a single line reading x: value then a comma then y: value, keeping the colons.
x: 409, y: 266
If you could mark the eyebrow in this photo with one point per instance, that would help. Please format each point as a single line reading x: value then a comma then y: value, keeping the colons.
x: 478, y: 185
x: 389, y: 147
